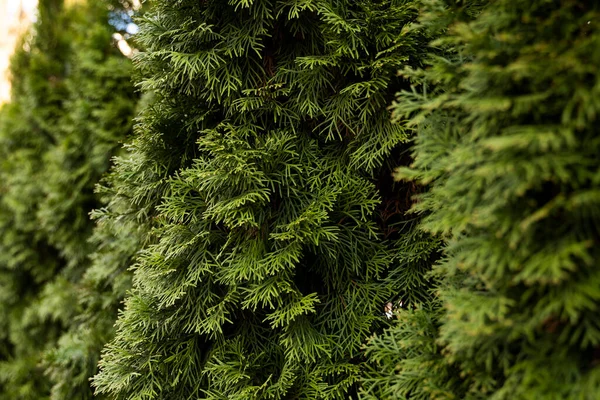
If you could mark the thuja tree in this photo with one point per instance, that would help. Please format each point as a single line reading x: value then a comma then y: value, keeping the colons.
x: 97, y: 118
x: 258, y: 165
x: 27, y: 260
x: 71, y: 104
x: 508, y: 142
x: 406, y: 360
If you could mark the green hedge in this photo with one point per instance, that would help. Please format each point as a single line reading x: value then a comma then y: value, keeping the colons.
x: 252, y: 221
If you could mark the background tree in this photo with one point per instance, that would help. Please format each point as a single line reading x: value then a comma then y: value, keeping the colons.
x: 71, y: 105
x: 507, y: 142
x: 96, y: 125
x: 257, y: 165
x: 28, y: 260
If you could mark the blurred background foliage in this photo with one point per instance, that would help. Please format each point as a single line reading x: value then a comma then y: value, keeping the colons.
x: 71, y: 107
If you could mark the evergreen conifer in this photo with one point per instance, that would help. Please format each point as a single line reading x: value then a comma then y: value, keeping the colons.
x: 258, y: 183
x: 256, y: 207
x: 28, y: 261
x: 71, y: 104
x: 506, y: 121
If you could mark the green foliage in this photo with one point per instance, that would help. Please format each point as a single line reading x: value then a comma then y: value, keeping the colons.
x: 507, y: 141
x: 27, y: 260
x: 71, y: 105
x: 256, y: 209
x: 262, y: 165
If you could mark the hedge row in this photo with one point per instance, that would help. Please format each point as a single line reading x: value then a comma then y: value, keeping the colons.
x: 320, y: 199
